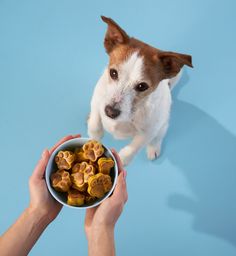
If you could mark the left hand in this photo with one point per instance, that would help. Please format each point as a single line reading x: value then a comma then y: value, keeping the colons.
x: 40, y: 198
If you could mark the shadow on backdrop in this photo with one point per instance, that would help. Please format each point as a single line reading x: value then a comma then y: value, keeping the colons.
x: 204, y: 151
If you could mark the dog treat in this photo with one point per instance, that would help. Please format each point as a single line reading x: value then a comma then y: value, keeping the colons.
x: 76, y: 168
x: 64, y: 159
x: 88, y: 172
x: 89, y: 199
x: 75, y: 198
x: 79, y: 155
x: 78, y: 181
x: 83, y: 174
x: 85, y: 168
x: 105, y: 164
x: 107, y: 183
x: 94, y: 164
x: 93, y: 150
x: 61, y: 180
x: 99, y: 184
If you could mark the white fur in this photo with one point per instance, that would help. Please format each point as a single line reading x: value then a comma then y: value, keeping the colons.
x: 147, y: 124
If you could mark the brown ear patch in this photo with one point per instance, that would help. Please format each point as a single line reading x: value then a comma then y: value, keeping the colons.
x: 172, y: 63
x: 158, y: 64
x: 115, y: 35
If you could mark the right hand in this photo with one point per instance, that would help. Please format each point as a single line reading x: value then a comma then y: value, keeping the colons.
x: 107, y: 213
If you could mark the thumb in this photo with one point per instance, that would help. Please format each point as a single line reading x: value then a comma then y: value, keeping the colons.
x: 40, y: 167
x: 120, y: 193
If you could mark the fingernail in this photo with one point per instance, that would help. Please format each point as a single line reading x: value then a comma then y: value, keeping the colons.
x: 124, y: 174
x: 76, y: 135
x: 44, y: 152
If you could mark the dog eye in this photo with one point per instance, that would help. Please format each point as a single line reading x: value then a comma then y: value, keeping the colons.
x: 113, y: 74
x: 141, y: 87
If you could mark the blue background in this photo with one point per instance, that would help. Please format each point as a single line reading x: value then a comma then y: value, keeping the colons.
x: 51, y: 55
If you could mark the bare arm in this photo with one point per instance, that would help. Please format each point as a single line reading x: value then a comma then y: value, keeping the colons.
x: 101, y: 242
x: 21, y: 236
x: 100, y: 221
x: 19, y: 239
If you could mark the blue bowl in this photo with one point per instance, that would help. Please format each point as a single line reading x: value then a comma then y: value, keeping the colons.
x: 51, y: 167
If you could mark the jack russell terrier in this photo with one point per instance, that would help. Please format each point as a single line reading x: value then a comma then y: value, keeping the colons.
x: 132, y: 99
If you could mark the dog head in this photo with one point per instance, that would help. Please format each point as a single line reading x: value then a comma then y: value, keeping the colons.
x: 135, y: 69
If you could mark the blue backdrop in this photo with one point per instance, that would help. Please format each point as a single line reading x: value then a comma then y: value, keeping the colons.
x: 51, y: 55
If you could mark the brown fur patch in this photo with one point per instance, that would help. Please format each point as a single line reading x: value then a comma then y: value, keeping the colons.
x: 115, y: 34
x: 158, y: 64
x: 152, y: 73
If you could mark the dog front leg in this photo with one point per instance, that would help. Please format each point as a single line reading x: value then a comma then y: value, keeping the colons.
x: 95, y: 128
x: 127, y: 153
x: 154, y: 146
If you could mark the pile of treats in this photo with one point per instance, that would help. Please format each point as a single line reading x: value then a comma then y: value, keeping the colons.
x: 83, y: 174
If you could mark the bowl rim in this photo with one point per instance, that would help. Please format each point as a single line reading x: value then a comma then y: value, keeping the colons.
x: 48, y: 169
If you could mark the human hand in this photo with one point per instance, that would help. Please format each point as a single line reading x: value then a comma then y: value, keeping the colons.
x: 107, y: 213
x: 40, y: 199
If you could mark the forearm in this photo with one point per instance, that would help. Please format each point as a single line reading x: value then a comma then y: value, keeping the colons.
x: 101, y: 242
x: 22, y: 235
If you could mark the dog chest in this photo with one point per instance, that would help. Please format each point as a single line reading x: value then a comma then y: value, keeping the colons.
x: 119, y: 129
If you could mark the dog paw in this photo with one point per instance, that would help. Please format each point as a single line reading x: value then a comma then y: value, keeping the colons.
x: 153, y: 152
x: 126, y: 155
x: 95, y: 134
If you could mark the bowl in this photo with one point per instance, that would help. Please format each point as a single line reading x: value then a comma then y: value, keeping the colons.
x: 51, y: 167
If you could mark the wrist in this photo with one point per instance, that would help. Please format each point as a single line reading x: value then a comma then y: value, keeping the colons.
x: 101, y: 241
x: 99, y: 230
x: 39, y: 216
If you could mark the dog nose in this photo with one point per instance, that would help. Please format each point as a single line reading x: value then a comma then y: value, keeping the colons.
x: 112, y: 112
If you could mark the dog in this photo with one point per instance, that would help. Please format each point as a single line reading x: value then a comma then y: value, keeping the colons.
x: 132, y: 98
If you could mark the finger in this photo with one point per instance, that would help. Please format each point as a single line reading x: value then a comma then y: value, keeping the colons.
x: 125, y: 189
x: 89, y: 215
x: 77, y: 135
x: 69, y: 137
x: 124, y: 174
x: 119, y: 163
x: 120, y: 193
x: 39, y: 170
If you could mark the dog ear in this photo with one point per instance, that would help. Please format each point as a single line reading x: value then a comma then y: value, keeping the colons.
x: 115, y: 35
x: 172, y: 63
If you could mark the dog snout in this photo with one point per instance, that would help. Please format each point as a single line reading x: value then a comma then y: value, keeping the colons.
x: 112, y: 112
